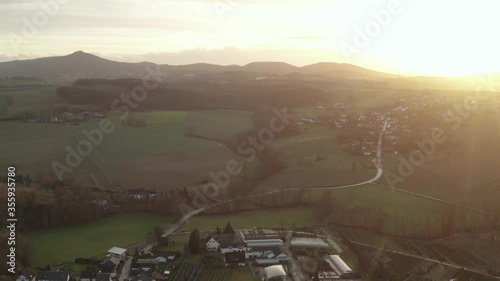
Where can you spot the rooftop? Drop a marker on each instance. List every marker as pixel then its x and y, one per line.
pixel 117 251
pixel 275 271
pixel 309 242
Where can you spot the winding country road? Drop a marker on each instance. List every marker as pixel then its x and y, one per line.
pixel 378 163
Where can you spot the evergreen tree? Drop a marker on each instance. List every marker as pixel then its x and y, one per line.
pixel 194 242
pixel 316 276
pixel 229 229
pixel 136 254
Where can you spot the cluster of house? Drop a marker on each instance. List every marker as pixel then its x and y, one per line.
pixel 157 267
pixel 29 275
pixel 331 267
pixel 112 260
pixel 336 105
pixel 264 247
pixel 108 268
pixel 303 121
pixel 67 117
pixel 141 193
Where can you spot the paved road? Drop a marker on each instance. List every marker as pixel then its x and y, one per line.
pixel 125 269
pixel 299 275
pixel 428 259
pixel 296 271
pixel 377 162
pixel 177 225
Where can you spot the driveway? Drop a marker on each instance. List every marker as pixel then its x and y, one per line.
pixel 125 269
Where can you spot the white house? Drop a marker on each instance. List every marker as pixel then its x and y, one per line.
pixel 27 275
pixel 212 244
pixel 118 253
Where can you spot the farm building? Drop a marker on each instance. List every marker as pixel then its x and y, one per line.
pixel 339 266
pixel 275 272
pixel 230 243
pixel 262 262
pixel 309 242
pixel 118 253
pixel 234 259
pixel 267 253
pixel 53 276
pixel 146 265
pixel 264 243
pixel 261 234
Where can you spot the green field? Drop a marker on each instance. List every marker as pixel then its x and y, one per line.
pixel 160 117
pixel 218 124
pixel 304 169
pixel 262 218
pixel 12 82
pixel 469 174
pixel 392 202
pixel 175 149
pixel 91 240
pixel 31 98
pixel 167 157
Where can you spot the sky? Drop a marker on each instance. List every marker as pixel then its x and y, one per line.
pixel 429 37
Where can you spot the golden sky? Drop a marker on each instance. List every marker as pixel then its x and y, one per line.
pixel 435 37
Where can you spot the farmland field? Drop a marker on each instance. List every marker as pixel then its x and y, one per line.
pixel 314 158
pixel 93 239
pixel 31 98
pixel 168 157
pixel 469 173
pixel 261 218
pixel 218 124
pixel 390 201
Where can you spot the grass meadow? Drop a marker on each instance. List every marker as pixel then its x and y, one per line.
pixel 64 244
pixel 175 149
pixel 269 218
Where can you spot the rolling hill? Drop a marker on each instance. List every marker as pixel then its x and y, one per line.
pixel 84 65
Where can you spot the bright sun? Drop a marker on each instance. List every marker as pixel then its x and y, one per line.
pixel 430 37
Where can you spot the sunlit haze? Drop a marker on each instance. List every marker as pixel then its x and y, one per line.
pixel 419 37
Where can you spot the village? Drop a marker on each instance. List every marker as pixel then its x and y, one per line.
pixel 270 254
pixel 409 119
pixel 66 117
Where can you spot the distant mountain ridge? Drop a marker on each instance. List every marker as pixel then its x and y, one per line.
pixel 84 65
